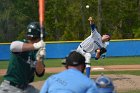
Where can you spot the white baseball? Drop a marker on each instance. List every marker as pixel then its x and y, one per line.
pixel 87 6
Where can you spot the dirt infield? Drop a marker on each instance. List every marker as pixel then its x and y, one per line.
pixel 124 82
pixel 101 68
pixel 94 68
pixel 121 82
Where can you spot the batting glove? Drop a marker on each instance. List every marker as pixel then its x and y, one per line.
pixel 38 45
pixel 41 54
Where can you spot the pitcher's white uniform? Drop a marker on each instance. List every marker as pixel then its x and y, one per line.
pixel 105 46
pixel 90 44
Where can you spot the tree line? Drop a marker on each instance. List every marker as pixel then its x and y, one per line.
pixel 68 19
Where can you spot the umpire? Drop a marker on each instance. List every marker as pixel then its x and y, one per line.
pixel 26 61
pixel 72 80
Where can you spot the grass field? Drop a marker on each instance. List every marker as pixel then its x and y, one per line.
pixel 135 91
pixel 100 62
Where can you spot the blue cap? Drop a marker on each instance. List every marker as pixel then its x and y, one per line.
pixel 105 84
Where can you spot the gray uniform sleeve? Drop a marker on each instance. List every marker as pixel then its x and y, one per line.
pixel 16 46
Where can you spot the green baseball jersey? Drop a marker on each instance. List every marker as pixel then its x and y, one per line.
pixel 21 67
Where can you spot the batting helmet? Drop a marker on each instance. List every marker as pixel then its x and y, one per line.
pixel 105 84
pixel 34 30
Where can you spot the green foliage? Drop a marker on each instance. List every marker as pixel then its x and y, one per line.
pixel 136 33
pixel 67 19
pixel 120 17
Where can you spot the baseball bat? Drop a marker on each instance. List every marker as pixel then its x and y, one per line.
pixel 41 16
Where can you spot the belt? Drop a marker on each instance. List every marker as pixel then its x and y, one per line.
pixel 83 49
pixel 20 86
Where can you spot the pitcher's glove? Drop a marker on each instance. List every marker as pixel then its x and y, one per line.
pixel 99 52
pixel 41 54
pixel 102 50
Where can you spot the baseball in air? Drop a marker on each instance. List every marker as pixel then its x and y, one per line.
pixel 87 6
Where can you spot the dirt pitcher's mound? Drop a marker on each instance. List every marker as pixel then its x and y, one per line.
pixel 121 82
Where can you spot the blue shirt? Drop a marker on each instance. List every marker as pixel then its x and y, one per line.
pixel 69 81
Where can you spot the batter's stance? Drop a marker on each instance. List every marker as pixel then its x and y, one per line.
pixel 95 43
pixel 26 61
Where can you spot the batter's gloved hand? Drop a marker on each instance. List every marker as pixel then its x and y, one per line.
pixel 38 45
pixel 41 54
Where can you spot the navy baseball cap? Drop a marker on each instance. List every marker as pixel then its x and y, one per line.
pixel 74 59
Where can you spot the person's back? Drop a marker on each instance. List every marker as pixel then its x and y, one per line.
pixel 71 80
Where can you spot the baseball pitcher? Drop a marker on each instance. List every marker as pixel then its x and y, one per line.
pixel 93 44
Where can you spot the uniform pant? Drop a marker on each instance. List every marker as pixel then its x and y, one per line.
pixel 86 55
pixel 87 60
pixel 5 87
